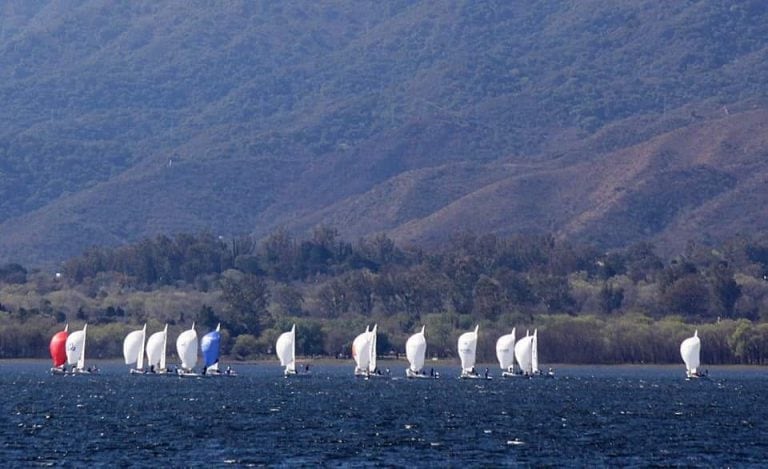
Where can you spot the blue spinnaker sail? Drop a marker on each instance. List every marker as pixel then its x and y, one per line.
pixel 210 347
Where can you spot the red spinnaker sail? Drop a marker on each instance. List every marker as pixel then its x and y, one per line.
pixel 58 348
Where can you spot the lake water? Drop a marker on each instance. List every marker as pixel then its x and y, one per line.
pixel 587 416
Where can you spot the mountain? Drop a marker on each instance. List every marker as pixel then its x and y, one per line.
pixel 599 122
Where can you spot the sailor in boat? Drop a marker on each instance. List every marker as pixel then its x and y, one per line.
pixel 486 373
pixel 432 372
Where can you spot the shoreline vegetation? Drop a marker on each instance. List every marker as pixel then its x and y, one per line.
pixel 626 306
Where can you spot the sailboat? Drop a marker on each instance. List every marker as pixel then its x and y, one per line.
pixel 467 346
pixel 524 354
pixel 156 347
pixel 58 349
pixel 690 349
pixel 505 353
pixel 186 347
pixel 373 368
pixel 415 351
pixel 76 351
pixel 133 349
pixel 361 353
pixel 210 346
pixel 285 347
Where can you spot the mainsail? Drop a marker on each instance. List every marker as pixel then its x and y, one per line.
pixel 210 345
pixel 690 350
pixel 467 346
pixel 416 350
pixel 286 350
pixel 535 352
pixel 372 350
pixel 505 351
pixel 186 347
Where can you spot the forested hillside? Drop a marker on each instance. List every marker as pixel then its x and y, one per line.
pixel 597 121
pixel 629 306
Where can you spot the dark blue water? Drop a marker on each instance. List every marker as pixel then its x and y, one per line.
pixel 586 416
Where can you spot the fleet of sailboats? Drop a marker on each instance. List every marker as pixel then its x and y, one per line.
pixel 515 357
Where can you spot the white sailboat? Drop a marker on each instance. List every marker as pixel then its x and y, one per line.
pixel 690 350
pixel 156 351
pixel 133 349
pixel 286 351
pixel 186 347
pixel 76 350
pixel 505 353
pixel 524 354
pixel 467 346
pixel 361 353
pixel 415 352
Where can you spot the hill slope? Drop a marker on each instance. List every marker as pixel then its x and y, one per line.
pixel 602 122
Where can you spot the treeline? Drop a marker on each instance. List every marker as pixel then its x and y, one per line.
pixel 589 306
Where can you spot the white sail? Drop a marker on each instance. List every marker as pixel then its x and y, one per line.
pixel 186 347
pixel 286 350
pixel 361 351
pixel 416 350
pixel 690 350
pixel 535 352
pixel 156 349
pixel 372 350
pixel 505 351
pixel 524 354
pixel 76 348
pixel 467 346
pixel 132 345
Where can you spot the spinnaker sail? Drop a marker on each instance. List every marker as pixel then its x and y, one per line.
pixel 285 347
pixel 467 346
pixel 416 351
pixel 524 354
pixel 186 347
pixel 156 350
pixel 505 352
pixel 690 350
pixel 133 348
pixel 210 346
pixel 58 349
pixel 76 348
pixel 361 352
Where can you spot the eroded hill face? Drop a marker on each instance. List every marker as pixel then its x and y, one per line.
pixel 596 122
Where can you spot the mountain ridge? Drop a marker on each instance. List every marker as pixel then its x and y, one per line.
pixel 409 118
